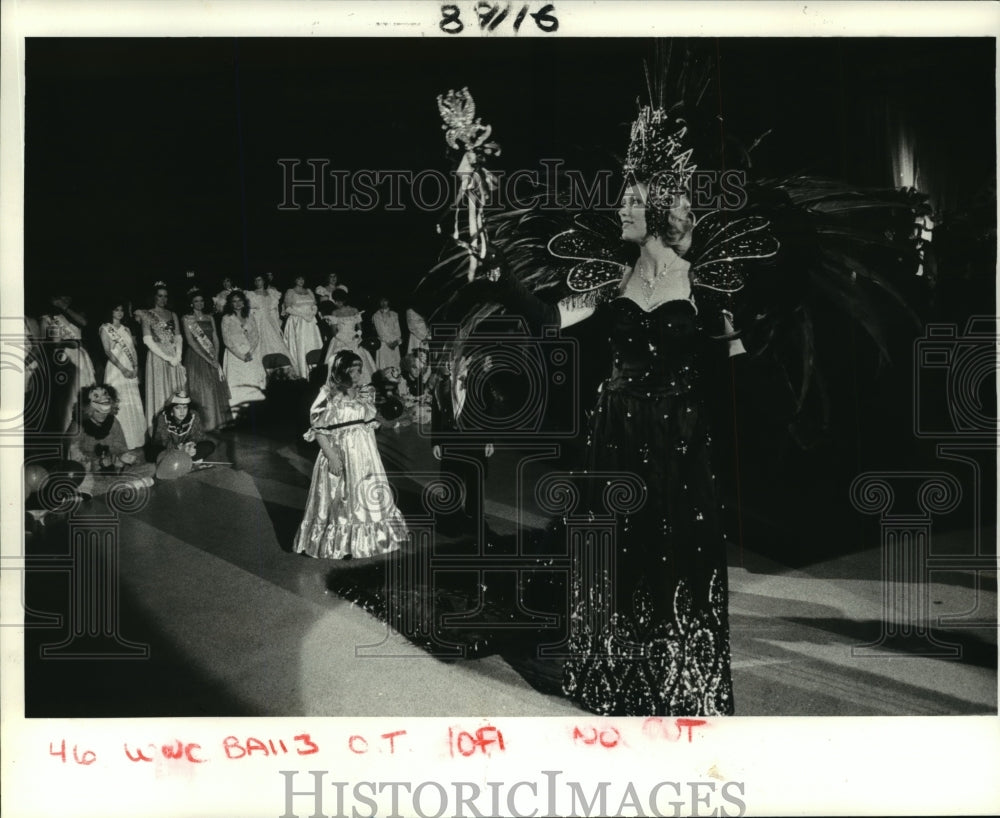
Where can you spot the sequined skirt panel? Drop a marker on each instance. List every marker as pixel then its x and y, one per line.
pixel 649 633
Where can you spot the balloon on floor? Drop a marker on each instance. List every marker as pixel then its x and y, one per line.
pixel 173 464
pixel 33 477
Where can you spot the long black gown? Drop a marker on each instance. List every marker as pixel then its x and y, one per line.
pixel 633 573
pixel 662 645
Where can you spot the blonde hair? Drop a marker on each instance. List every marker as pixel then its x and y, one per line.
pixel 673 225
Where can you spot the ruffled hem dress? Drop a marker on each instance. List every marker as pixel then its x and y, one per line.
pixel 352 514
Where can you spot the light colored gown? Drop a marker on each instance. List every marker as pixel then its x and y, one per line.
pixel 387 327
pixel 274 306
pixel 246 379
pixel 162 379
pixel 130 414
pixel 59 329
pixel 351 514
pixel 301 330
pixel 268 326
pixel 419 334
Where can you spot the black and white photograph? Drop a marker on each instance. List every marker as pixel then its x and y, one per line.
pixel 622 380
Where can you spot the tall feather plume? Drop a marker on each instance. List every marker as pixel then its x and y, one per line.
pixel 837 250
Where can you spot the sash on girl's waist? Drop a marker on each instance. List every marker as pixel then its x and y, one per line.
pixel 342 425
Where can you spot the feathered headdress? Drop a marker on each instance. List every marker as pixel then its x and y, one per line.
pixel 657 153
pixel 796 246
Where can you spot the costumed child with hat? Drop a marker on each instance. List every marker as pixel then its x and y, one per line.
pixel 179 428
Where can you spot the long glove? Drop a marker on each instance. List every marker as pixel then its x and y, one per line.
pixel 516 298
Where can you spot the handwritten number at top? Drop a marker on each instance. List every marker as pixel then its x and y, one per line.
pixel 491 15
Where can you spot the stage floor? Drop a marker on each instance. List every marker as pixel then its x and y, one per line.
pixel 214 616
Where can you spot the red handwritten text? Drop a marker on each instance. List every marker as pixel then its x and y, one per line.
pixel 485 740
pixel 176 751
pixel 234 748
pixel 656 727
pixel 85 758
pixel 359 744
pixel 606 737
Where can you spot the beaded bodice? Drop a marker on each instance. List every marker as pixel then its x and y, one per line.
pixel 655 352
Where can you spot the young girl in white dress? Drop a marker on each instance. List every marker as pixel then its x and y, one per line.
pixel 350 511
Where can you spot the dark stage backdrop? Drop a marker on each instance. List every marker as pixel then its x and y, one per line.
pixel 146 158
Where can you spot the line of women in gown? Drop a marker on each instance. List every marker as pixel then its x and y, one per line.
pixel 182 353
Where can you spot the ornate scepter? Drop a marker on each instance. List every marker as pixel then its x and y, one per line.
pixel 466 134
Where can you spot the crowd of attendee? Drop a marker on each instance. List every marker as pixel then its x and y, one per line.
pixel 213 352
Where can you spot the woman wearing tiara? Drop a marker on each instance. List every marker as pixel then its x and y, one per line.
pixel 162 336
pixel 635 615
pixel 122 373
pixel 650 632
pixel 639 551
pixel 350 511
pixel 206 377
pixel 647 632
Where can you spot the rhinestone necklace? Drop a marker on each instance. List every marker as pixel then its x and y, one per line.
pixel 649 281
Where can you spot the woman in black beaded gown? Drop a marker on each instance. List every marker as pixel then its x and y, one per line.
pixel 643 622
pixel 638 624
pixel 648 630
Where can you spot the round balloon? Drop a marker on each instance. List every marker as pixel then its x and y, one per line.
pixel 33 477
pixel 173 464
